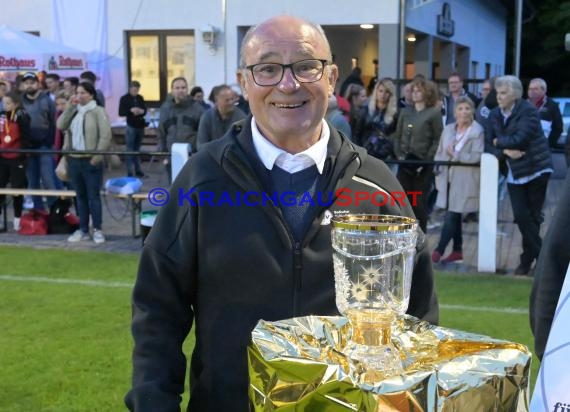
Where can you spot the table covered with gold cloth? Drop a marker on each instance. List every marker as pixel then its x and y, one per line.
pixel 298 365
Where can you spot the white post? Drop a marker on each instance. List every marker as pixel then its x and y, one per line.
pixel 488 204
pixel 178 157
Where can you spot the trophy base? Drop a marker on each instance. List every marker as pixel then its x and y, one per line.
pixel 371 345
pixel 375 362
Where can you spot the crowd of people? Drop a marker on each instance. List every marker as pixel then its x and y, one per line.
pixel 43 112
pixel 428 125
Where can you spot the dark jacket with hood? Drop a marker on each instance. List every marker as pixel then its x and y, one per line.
pixel 521 131
pixel 222 268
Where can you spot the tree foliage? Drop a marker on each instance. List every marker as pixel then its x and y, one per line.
pixel 543 53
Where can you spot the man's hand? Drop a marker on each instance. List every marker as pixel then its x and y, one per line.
pixel 495 141
pixel 513 153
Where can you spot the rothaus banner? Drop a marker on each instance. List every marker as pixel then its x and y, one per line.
pixel 17 63
pixel 552 389
pixel 65 61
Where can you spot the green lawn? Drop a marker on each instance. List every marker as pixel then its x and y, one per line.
pixel 67 346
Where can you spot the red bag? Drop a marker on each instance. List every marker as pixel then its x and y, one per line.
pixel 35 222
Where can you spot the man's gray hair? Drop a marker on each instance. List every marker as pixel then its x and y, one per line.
pixel 512 83
pixel 249 34
pixel 540 82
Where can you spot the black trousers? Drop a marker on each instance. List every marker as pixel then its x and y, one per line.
pixel 527 201
pixel 13 171
pixel 413 181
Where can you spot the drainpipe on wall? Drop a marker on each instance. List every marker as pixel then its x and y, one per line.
pixel 225 37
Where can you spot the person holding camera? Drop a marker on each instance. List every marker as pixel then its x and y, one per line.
pixel 133 107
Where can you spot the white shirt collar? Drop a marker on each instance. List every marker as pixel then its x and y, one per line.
pixel 271 155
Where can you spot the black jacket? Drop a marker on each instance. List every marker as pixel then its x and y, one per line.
pixel 222 268
pixel 126 103
pixel 522 131
pixel 550 112
pixel 550 271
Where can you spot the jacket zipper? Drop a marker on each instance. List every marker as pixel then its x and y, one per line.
pixel 297 274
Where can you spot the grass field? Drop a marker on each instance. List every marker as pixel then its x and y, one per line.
pixel 65 325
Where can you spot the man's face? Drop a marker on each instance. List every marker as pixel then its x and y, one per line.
pixel 505 97
pixel 290 109
pixel 52 85
pixel 133 90
pixel 225 101
pixel 31 86
pixel 455 84
pixel 535 92
pixel 179 90
pixel 68 87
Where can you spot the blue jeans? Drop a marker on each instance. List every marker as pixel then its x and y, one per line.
pixel 86 180
pixel 133 141
pixel 451 230
pixel 41 172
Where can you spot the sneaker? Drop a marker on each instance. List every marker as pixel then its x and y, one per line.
pixel 435 256
pixel 140 175
pixel 16 224
pixel 98 236
pixel 454 256
pixel 433 225
pixel 78 236
pixel 28 203
pixel 523 269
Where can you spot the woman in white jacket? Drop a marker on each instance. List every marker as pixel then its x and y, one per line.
pixel 458 186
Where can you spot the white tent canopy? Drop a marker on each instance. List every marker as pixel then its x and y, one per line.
pixel 20 51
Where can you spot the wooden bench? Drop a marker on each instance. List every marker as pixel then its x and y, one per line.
pixel 135 202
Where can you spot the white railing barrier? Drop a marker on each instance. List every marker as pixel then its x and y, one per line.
pixel 178 157
pixel 488 205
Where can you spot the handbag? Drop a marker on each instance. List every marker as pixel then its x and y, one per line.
pixel 61 170
pixel 61 220
pixel 34 222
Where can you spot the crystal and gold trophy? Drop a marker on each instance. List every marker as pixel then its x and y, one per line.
pixel 373 259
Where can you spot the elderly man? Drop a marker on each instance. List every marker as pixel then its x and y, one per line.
pixel 217 120
pixel 227 262
pixel 514 133
pixel 548 111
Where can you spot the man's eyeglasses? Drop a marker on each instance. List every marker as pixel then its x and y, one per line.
pixel 304 71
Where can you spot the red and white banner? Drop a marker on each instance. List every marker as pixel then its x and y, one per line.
pixel 12 63
pixel 64 61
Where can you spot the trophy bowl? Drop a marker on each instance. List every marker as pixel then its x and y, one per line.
pixel 373 257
